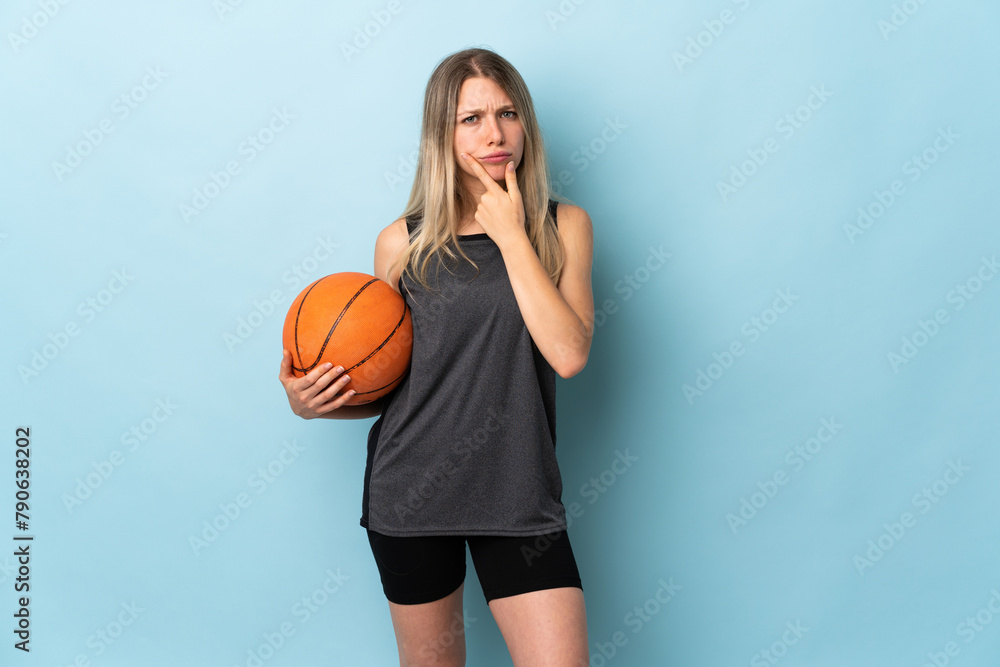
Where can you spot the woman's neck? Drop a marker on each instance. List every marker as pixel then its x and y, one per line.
pixel 467 223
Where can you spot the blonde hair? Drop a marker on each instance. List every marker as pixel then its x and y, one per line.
pixel 438 196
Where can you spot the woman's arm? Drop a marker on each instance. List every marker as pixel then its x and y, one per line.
pixel 373 409
pixel 559 319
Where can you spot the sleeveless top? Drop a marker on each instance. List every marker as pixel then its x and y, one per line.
pixel 465 444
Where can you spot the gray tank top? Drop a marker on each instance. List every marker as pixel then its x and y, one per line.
pixel 465 444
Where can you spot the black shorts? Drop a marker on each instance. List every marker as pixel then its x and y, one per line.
pixel 421 568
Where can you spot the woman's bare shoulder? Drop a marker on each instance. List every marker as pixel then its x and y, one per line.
pixel 390 243
pixel 574 220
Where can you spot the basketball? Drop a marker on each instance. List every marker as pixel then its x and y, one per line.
pixel 356 321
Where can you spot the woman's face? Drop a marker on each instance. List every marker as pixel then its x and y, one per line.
pixel 487 123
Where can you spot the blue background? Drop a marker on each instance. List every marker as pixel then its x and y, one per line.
pixel 340 169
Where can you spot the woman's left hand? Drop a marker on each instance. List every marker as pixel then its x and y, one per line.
pixel 500 213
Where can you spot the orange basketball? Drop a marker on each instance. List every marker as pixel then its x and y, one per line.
pixel 356 321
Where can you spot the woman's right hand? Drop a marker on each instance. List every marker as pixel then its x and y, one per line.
pixel 314 394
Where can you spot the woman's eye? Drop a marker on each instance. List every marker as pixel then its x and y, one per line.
pixel 513 114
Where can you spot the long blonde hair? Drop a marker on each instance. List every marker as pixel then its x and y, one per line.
pixel 438 195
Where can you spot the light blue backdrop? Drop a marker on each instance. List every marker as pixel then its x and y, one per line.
pixel 805 388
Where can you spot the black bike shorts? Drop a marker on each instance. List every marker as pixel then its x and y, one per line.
pixel 418 569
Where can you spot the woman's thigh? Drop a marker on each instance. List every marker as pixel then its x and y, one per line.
pixel 431 633
pixel 544 627
pixel 513 565
pixel 533 589
pixel 423 580
pixel 418 569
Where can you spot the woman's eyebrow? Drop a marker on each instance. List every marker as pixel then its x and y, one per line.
pixel 507 107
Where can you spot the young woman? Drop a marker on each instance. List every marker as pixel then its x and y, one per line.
pixel 497 277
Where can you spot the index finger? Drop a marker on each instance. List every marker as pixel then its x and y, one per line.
pixel 317 373
pixel 481 172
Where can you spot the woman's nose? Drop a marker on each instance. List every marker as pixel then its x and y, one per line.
pixel 493 132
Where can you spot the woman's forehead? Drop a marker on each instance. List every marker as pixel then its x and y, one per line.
pixel 481 93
